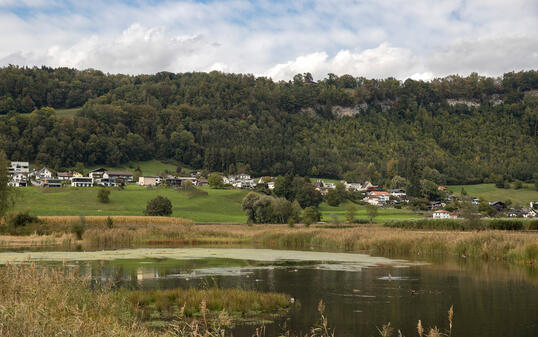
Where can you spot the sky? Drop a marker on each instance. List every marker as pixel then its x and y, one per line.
pixel 419 39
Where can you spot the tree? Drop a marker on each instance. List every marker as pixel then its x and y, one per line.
pixel 7 193
pixel 215 180
pixel 332 198
pixel 398 182
pixel 350 213
pixel 469 212
pixel 103 195
pixel 371 210
pixel 137 174
pixel 248 206
pixel 160 206
pixel 310 215
pixel 178 169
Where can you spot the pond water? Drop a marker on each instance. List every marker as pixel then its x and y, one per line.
pixel 360 292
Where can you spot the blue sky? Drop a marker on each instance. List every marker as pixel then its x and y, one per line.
pixel 419 39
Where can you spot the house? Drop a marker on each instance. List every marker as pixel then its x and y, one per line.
pixel 377 198
pixel 16 167
pixel 528 213
pixel 51 182
pixel 82 181
pixel 19 180
pixel 499 205
pixel 398 193
pixel 436 205
pixel 127 177
pixel 442 214
pixel 77 175
pixel 147 181
pixel 65 175
pixel 375 188
pixel 475 200
pixel 352 186
pixel 271 185
pixel 441 188
pixel 172 181
pixel 97 173
pixel 514 213
pixel 533 204
pixel 202 182
pixel 107 182
pixel 42 174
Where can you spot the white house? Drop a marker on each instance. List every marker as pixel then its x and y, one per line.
pixel 271 185
pixel 65 175
pixel 148 181
pixel 16 167
pixel 126 176
pixel 43 174
pixel 97 173
pixel 352 186
pixel 82 181
pixel 442 214
pixel 18 180
pixel 398 193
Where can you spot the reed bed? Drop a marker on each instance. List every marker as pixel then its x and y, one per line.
pixel 239 303
pixel 118 220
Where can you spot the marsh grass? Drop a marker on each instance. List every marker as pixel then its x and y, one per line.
pixel 166 304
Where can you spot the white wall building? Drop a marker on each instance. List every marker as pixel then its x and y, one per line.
pixel 82 181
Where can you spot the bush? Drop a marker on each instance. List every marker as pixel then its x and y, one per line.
pixel 160 206
pixel 20 219
pixel 22 223
pixel 109 222
pixel 79 228
pixel 103 195
pixel 446 224
pixel 532 225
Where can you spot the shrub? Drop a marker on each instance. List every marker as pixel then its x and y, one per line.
pixel 78 228
pixel 532 225
pixel 20 219
pixel 109 222
pixel 103 195
pixel 160 206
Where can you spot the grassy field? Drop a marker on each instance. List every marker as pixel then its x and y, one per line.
pixel 149 167
pixel 217 206
pixel 491 193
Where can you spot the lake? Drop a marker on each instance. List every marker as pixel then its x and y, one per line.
pixel 360 292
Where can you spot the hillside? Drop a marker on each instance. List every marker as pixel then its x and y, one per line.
pixel 466 129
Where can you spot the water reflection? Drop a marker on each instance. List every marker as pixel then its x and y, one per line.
pixel 489 299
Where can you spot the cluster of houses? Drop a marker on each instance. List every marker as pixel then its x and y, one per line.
pixel 20 176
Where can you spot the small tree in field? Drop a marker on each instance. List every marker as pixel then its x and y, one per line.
pixel 310 215
pixel 103 195
pixel 350 213
pixel 371 210
pixel 160 206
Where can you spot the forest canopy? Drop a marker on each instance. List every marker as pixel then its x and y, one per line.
pixel 458 129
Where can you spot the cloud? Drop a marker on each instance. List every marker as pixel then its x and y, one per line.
pixel 380 62
pixel 377 39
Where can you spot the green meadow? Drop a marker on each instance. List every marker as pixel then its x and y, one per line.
pixel 489 192
pixel 217 206
pixel 149 167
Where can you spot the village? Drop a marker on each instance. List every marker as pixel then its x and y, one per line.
pixel 376 195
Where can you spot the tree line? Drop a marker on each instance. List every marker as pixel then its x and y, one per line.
pixel 241 123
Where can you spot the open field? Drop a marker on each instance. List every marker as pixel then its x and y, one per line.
pixel 491 193
pixel 219 206
pixel 148 167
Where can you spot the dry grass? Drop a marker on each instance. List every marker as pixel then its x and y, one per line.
pixel 118 220
pixel 42 302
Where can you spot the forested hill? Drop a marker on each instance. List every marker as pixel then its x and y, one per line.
pixel 459 129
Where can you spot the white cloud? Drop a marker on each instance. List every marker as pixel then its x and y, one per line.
pixel 421 40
